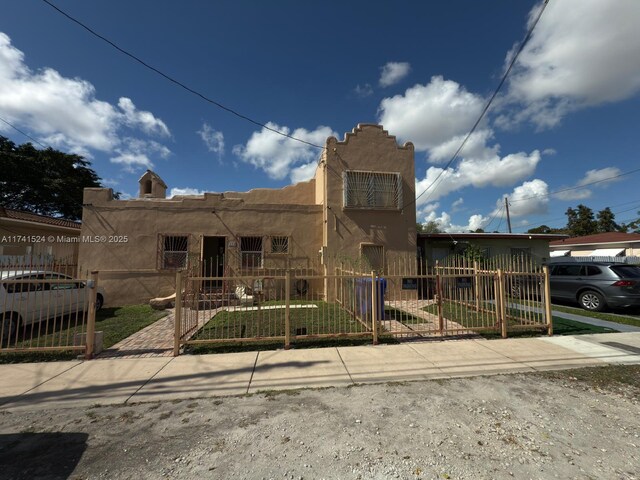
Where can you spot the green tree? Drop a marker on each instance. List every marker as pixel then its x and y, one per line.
pixel 581 222
pixel 429 227
pixel 606 221
pixel 47 182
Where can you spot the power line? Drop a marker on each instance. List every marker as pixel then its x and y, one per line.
pixel 177 82
pixel 577 187
pixel 486 107
pixel 23 133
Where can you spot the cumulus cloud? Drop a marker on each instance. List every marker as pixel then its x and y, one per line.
pixel 596 178
pixel 530 198
pixel 444 222
pixel 65 113
pixel 133 153
pixel 582 53
pixel 132 162
pixel 176 192
pixel 497 171
pixel 393 72
pixel 212 138
pixel 280 156
pixel 146 121
pixel 431 115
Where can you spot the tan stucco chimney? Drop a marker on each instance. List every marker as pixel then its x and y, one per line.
pixel 152 186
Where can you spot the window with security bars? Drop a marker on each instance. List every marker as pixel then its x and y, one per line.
pixel 174 251
pixel 372 190
pixel 373 257
pixel 279 244
pixel 251 252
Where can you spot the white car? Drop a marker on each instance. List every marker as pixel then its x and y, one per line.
pixel 32 296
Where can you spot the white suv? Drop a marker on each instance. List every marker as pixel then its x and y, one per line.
pixel 31 296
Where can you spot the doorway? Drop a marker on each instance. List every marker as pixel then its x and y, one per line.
pixel 213 260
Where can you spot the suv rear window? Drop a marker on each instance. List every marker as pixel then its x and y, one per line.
pixel 591 270
pixel 626 271
pixel 567 270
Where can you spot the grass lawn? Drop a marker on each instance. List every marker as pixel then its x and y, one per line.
pixel 469 318
pixel 326 318
pixel 599 315
pixel 115 323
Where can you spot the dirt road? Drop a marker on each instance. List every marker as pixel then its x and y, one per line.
pixel 537 426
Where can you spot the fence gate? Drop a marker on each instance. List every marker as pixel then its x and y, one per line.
pixel 43 309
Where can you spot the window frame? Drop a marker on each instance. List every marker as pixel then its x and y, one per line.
pixel 285 243
pixel 162 251
pixel 366 186
pixel 244 254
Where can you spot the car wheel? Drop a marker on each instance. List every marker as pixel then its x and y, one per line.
pixel 592 301
pixel 9 328
pixel 99 302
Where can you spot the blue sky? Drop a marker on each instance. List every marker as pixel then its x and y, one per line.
pixel 567 116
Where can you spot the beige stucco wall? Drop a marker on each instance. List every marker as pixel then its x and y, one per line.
pixel 368 148
pixel 231 215
pixel 310 213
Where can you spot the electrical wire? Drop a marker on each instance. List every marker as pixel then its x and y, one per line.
pixel 177 82
pixel 486 107
pixel 23 133
pixel 577 187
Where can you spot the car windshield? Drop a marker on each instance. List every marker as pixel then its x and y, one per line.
pixel 626 271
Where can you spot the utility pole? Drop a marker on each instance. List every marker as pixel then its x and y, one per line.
pixel 506 206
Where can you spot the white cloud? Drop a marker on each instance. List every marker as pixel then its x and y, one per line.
pixel 393 72
pixel 303 172
pixel 64 113
pixel 431 115
pixel 133 153
pixel 142 119
pixel 444 223
pixel 213 139
pixel 582 53
pixel 458 203
pixel 174 192
pixel 496 171
pixel 279 156
pixel 132 162
pixel 596 178
pixel 530 198
pixel 363 91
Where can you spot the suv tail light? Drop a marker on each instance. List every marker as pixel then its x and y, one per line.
pixel 624 283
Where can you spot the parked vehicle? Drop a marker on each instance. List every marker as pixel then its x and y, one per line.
pixel 32 296
pixel 596 285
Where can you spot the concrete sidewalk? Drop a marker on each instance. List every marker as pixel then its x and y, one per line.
pixel 120 381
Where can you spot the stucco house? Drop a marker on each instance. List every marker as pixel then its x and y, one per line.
pixel 437 246
pixel 609 244
pixel 354 208
pixel 27 238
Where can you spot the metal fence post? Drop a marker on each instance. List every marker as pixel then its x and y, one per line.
pixel 177 315
pixel 91 315
pixel 547 299
pixel 501 300
pixel 476 285
pixel 287 309
pixel 374 307
pixel 439 301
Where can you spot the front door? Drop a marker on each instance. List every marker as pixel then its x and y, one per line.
pixel 213 260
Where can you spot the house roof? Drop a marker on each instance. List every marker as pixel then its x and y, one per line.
pixel 597 239
pixel 20 215
pixel 488 236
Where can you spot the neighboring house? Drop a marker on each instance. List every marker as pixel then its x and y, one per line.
pixel 610 244
pixel 352 208
pixel 28 238
pixel 437 246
